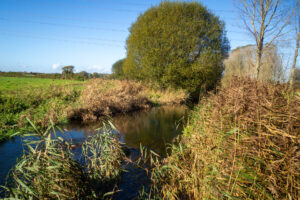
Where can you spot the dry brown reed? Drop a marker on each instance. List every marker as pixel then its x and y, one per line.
pixel 242 143
pixel 167 96
pixel 107 97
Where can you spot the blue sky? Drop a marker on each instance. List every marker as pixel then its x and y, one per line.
pixel 44 35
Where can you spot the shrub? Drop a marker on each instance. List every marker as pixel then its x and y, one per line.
pixel 177 44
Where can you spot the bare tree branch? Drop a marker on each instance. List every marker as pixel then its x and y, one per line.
pixel 265 20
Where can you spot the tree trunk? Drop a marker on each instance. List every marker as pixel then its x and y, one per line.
pixel 258 59
pixel 292 77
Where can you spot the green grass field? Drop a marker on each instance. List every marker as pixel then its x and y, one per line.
pixel 40 100
pixel 11 85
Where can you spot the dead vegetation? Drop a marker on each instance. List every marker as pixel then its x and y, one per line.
pixel 108 97
pixel 242 143
pixel 103 97
pixel 167 96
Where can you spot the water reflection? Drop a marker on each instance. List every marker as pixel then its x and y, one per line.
pixel 153 128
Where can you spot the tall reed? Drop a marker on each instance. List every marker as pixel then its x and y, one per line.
pixel 48 170
pixel 241 143
pixel 103 155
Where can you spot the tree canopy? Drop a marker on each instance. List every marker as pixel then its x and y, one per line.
pixel 68 71
pixel 177 44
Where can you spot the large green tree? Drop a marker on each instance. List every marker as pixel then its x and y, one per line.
pixel 177 44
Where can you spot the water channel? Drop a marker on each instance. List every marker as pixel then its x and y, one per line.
pixel 154 128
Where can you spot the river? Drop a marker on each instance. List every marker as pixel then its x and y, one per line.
pixel 153 128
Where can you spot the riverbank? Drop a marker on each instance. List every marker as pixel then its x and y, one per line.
pixel 241 143
pixel 109 97
pixel 60 101
pixel 40 100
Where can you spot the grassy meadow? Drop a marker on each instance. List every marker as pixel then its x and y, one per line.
pixel 12 85
pixel 39 100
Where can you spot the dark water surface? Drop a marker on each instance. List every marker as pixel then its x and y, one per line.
pixel 153 128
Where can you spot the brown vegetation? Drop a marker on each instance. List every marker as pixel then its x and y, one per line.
pixel 108 97
pixel 242 143
pixel 168 96
pixel 102 97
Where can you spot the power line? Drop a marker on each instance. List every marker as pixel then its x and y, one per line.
pixel 130 3
pixel 79 42
pixel 116 2
pixel 113 9
pixel 57 39
pixel 78 26
pixel 63 25
pixel 72 37
pixel 90 27
pixel 70 18
pixel 227 11
pixel 61 18
pixel 78 6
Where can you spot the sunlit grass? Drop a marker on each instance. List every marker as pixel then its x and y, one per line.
pixel 14 85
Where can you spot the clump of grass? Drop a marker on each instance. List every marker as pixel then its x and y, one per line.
pixel 47 170
pixel 103 156
pixel 167 96
pixel 107 97
pixel 242 143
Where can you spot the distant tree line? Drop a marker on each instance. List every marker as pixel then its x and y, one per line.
pixel 67 73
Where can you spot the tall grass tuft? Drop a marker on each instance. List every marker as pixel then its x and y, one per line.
pixel 103 156
pixel 107 97
pixel 242 143
pixel 47 169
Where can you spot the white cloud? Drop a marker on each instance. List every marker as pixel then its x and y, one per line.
pixel 98 68
pixel 56 66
